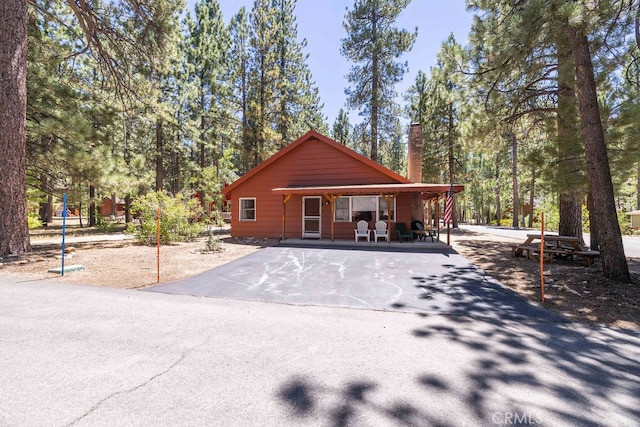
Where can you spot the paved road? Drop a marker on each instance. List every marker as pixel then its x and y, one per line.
pixel 37 241
pixel 631 243
pixel 77 355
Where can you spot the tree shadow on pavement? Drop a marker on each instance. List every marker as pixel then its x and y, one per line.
pixel 351 400
pixel 517 362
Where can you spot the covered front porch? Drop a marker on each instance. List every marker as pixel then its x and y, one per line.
pixel 415 246
pixel 331 212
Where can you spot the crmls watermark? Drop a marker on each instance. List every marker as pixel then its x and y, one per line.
pixel 516 418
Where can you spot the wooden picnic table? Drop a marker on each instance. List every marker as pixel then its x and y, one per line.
pixel 555 246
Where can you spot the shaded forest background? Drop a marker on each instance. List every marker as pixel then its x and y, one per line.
pixel 195 100
pixel 224 94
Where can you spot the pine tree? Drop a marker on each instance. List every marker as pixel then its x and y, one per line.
pixel 239 76
pixel 106 38
pixel 289 60
pixel 14 231
pixel 262 81
pixel 614 263
pixel 374 44
pixel 206 54
pixel 341 128
pixel 517 43
pixel 281 98
pixel 296 92
pixel 436 103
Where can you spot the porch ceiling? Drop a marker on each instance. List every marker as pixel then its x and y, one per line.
pixel 428 191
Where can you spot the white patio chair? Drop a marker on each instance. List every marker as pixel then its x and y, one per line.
pixel 381 231
pixel 362 230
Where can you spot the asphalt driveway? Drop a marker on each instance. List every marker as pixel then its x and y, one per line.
pixel 410 278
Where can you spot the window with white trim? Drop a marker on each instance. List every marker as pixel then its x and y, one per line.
pixel 368 208
pixel 342 210
pixel 248 209
pixel 383 211
pixel 364 208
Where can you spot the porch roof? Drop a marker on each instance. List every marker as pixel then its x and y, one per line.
pixel 428 191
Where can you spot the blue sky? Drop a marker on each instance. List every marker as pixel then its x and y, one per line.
pixel 320 22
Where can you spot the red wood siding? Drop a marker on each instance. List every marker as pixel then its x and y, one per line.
pixel 311 163
pixel 105 209
pixel 316 163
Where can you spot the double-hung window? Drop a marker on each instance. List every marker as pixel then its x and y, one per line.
pixel 384 213
pixel 343 209
pixel 248 209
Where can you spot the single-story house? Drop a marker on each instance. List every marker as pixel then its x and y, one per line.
pixel 108 209
pixel 635 219
pixel 318 188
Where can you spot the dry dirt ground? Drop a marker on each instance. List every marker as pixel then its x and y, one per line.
pixel 578 292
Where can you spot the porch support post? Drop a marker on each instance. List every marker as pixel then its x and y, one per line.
pixel 389 198
pixel 285 199
pixel 444 197
pixel 332 204
pixel 438 216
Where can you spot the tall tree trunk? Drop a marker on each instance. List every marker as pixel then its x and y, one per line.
pixel 532 196
pixel 594 242
pixel 452 162
pixel 14 229
pixel 46 207
pixel 614 262
pixel 202 153
pixel 514 179
pixel 46 211
pixel 127 159
pixel 92 205
pixel 114 205
pixel 497 190
pixel 262 119
pixel 638 183
pixel 202 162
pixel 523 213
pixel 570 179
pixel 246 144
pixel 283 126
pixel 159 156
pixel 375 76
pixel 127 209
pixel 570 215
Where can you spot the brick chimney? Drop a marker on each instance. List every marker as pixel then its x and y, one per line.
pixel 414 169
pixel 414 159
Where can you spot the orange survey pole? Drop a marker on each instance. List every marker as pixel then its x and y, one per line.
pixel 158 241
pixel 542 257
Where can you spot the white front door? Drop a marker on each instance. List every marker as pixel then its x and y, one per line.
pixel 311 216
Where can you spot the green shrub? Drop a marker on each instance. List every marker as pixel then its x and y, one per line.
pixel 34 221
pixel 506 222
pixel 107 225
pixel 179 218
pixel 213 243
pixel 551 216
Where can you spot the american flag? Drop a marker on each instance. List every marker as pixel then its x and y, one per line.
pixel 448 209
